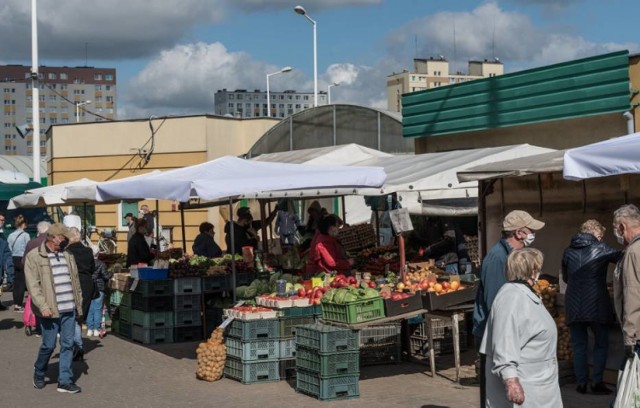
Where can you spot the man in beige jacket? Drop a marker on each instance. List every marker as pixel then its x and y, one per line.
pixel 626 282
pixel 52 280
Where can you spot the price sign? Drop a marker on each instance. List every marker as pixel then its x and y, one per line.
pixel 400 220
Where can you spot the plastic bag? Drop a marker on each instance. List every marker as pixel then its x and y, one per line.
pixel 629 385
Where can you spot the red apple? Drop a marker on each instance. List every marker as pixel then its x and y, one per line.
pixel 302 292
pixel 341 276
pixel 372 285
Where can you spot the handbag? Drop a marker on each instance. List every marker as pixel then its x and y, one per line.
pixel 629 385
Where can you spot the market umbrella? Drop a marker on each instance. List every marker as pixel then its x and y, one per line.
pixel 607 158
pixel 48 196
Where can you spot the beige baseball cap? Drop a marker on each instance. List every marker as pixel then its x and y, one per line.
pixel 520 219
pixel 59 229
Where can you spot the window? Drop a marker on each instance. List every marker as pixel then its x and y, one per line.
pixel 29 143
pixel 7 148
pixel 108 77
pixel 27 75
pixel 63 86
pixel 109 99
pixel 64 120
pixel 281 106
pixel 98 99
pixel 98 87
pixel 306 97
pixel 63 75
pixel 306 106
pixel 52 98
pixel 28 86
pixel 413 77
pixel 107 88
pixel 52 75
pixel 232 96
pixel 42 98
pixel 297 106
pixel 53 120
pixel 289 97
pixel 297 97
pixel 97 77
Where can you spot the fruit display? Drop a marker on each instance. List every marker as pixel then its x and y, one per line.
pixel 564 339
pixel 349 294
pixel 200 266
pixel 211 357
pixel 377 260
pixel 548 293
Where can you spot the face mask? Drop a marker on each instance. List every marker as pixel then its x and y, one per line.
pixel 529 239
pixel 333 232
pixel 64 244
pixel 619 237
pixel 537 277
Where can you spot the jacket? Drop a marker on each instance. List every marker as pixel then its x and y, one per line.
pixel 205 245
pixel 520 341
pixel 18 241
pixel 326 255
pixel 241 238
pixel 138 250
pixel 33 244
pixel 101 275
pixel 39 279
pixel 492 277
pixel 85 264
pixel 6 259
pixel 626 292
pixel 584 269
pixel 286 223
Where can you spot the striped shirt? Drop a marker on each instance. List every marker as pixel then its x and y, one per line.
pixel 62 282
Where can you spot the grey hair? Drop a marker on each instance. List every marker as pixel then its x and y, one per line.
pixel 627 214
pixel 75 234
pixel 43 226
pixel 592 227
pixel 523 263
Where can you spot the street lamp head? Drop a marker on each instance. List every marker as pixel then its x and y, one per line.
pixel 336 84
pixel 300 10
pixel 286 69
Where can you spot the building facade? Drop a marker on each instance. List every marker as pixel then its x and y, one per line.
pixel 61 89
pixel 253 104
pixel 433 73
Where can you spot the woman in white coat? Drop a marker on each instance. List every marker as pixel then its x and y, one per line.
pixel 520 340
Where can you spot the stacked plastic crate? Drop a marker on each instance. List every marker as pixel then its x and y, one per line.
pixel 327 361
pixel 120 305
pixel 187 309
pixel 293 316
pixel 442 333
pixel 217 296
pixel 380 344
pixel 253 349
pixel 151 311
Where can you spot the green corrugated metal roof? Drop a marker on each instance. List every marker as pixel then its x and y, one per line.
pixel 585 87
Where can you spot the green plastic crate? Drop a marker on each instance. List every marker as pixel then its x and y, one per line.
pixel 152 320
pixel 187 318
pixel 327 339
pixel 287 348
pixel 124 314
pixel 122 329
pixel 252 372
pixel 148 288
pixel 152 336
pixel 254 329
pixel 216 283
pixel 120 298
pixel 333 388
pixel 187 286
pixel 354 312
pixel 328 365
pixel 253 350
pixel 188 333
pixel 308 311
pixel 288 325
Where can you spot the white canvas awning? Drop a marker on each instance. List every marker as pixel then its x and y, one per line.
pixel 229 177
pixel 607 158
pixel 50 195
pixel 540 163
pixel 342 155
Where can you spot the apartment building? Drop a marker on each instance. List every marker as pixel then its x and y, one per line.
pixel 253 104
pixel 63 92
pixel 432 73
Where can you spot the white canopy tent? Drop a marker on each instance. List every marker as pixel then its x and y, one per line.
pixel 49 195
pixel 607 158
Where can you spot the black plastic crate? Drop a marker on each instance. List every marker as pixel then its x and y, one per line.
pixel 148 288
pixel 379 355
pixel 187 286
pixel 287 368
pixel 152 304
pixel 188 302
pixel 381 335
pixel 187 318
pixel 218 283
pixel 189 333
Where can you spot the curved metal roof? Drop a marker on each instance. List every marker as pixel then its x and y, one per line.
pixel 336 124
pixel 22 164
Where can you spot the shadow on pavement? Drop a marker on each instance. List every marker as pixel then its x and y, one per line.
pixel 387 370
pixel 7 324
pixel 179 351
pixel 434 406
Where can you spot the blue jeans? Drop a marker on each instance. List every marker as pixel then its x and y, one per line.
pixel 77 337
pixel 94 317
pixel 579 342
pixel 50 327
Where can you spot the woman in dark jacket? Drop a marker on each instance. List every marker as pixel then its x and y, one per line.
pixel 138 250
pixel 584 268
pixel 204 244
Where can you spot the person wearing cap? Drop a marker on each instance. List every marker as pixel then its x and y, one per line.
pixel 518 231
pixel 138 250
pixel 52 280
pixel 244 232
pixel 131 223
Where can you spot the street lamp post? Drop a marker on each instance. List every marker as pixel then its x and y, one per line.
pixel 282 71
pixel 329 91
pixel 35 94
pixel 300 10
pixel 78 105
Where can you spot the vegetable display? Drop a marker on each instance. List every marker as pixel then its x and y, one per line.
pixel 211 357
pixel 349 294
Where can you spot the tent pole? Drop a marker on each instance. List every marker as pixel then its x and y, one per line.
pixel 184 235
pixel 403 258
pixel 344 209
pixel 233 249
pixel 84 210
pixel 157 231
pixel 263 227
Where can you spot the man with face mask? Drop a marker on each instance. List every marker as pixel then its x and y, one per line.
pixel 56 297
pixel 626 279
pixel 518 231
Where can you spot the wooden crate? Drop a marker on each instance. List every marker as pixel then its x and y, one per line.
pixel 357 237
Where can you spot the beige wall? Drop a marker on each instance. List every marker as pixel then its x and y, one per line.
pixel 557 135
pixel 109 150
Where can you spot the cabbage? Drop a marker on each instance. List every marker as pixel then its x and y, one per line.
pixel 340 296
pixel 370 293
pixel 329 295
pixel 350 297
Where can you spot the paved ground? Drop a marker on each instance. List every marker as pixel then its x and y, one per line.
pixel 120 373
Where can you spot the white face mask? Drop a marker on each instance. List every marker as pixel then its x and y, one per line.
pixel 529 239
pixel 619 237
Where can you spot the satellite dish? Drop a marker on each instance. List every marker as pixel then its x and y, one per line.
pixel 23 130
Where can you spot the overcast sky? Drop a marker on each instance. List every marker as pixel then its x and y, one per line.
pixel 172 55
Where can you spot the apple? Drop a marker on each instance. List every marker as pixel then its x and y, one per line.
pixel 445 285
pixel 351 280
pixel 302 292
pixel 341 276
pixel 372 285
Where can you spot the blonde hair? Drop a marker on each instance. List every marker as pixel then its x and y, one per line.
pixel 19 220
pixel 593 227
pixel 523 263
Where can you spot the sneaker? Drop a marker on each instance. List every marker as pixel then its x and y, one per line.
pixel 89 333
pixel 600 389
pixel 18 309
pixel 582 388
pixel 70 388
pixel 38 382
